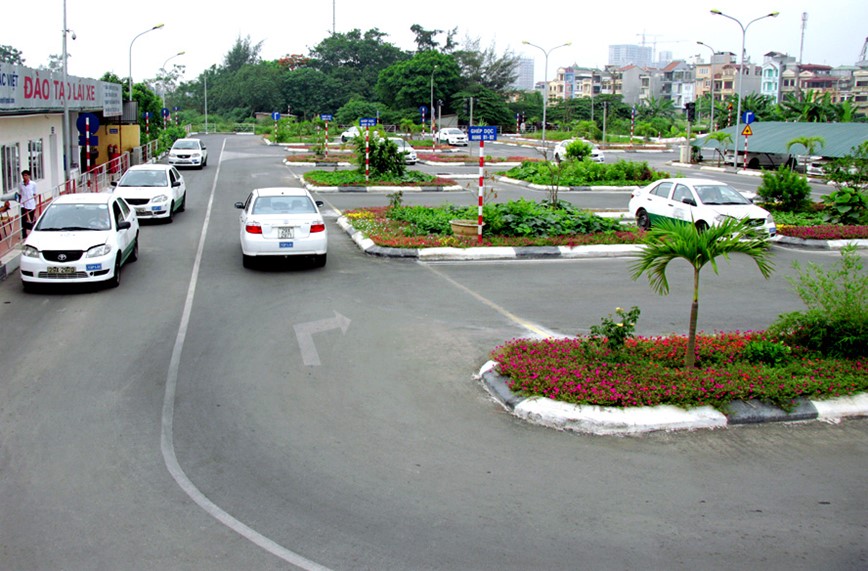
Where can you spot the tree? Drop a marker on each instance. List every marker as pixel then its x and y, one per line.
pixel 241 54
pixel 309 92
pixel 724 140
pixel 669 240
pixel 407 84
pixel 809 143
pixel 486 67
pixel 425 39
pixel 8 54
pixel 655 107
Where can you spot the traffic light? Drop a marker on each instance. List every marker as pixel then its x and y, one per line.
pixel 691 111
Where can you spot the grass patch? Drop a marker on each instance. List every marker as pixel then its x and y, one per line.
pixel 356 178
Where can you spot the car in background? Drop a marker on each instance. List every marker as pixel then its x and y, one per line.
pixel 282 222
pixel 405 149
pixel 560 151
pixel 452 136
pixel 188 153
pixel 156 191
pixel 350 133
pixel 700 201
pixel 80 238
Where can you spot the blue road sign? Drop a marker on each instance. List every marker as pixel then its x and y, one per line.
pixel 275 116
pixel 482 133
pixel 423 109
pixel 748 117
pixel 93 140
pixel 165 111
pixel 326 117
pixel 93 122
pixel 368 122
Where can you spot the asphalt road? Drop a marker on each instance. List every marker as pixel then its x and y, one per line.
pixel 203 416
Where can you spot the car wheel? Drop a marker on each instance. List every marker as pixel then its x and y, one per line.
pixel 115 281
pixel 246 261
pixel 321 260
pixel 171 217
pixel 753 164
pixel 643 221
pixel 134 255
pixel 28 287
pixel 557 158
pixel 701 226
pixel 183 206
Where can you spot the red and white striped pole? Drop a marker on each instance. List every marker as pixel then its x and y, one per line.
pixel 87 143
pixel 481 190
pixel 326 143
pixel 746 139
pixel 367 152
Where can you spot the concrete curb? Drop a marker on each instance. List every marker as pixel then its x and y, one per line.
pixel 607 421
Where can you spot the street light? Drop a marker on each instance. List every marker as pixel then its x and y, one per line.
pixel 711 68
pixel 157 27
pixel 163 68
pixel 545 81
pixel 431 119
pixel 67 146
pixel 741 72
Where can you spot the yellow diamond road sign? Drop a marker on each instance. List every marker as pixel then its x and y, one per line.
pixel 747 131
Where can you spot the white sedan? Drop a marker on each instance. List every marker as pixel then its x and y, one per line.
pixel 560 152
pixel 154 190
pixel 188 153
pixel 452 136
pixel 700 201
pixel 80 238
pixel 405 149
pixel 282 222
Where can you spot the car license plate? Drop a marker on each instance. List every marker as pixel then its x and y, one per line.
pixel 285 232
pixel 286 244
pixel 59 270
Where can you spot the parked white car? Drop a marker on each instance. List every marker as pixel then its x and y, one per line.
pixel 700 201
pixel 560 152
pixel 452 136
pixel 80 238
pixel 282 222
pixel 406 149
pixel 156 191
pixel 350 133
pixel 188 153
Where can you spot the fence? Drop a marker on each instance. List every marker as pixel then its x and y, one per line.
pixel 96 179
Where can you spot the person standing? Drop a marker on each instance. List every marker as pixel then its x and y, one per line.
pixel 27 198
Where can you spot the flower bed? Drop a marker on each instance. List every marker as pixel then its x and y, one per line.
pixel 825 232
pixel 650 372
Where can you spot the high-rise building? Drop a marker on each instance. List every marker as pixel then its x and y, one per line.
pixel 524 77
pixel 629 54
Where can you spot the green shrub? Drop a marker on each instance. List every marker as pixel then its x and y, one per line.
pixel 578 150
pixel 384 159
pixel 785 188
pixel 581 173
pixel 846 205
pixel 766 352
pixel 614 332
pixel 836 321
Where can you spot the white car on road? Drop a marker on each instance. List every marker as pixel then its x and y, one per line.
pixel 405 149
pixel 452 136
pixel 282 222
pixel 560 152
pixel 700 201
pixel 156 191
pixel 188 153
pixel 80 238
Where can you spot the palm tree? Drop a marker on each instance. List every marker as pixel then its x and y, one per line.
pixel 810 145
pixel 723 139
pixel 672 239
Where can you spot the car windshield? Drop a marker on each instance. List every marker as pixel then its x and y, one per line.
pixel 70 217
pixel 720 194
pixel 186 145
pixel 144 178
pixel 283 205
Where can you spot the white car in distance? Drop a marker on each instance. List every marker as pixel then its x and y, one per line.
pixel 452 136
pixel 156 191
pixel 282 222
pixel 405 149
pixel 188 153
pixel 560 151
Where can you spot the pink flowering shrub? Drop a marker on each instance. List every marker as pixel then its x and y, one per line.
pixel 650 371
pixel 825 232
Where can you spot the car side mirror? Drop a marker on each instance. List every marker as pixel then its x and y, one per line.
pixel 124 225
pixel 689 201
pixel 239 205
pixel 114 184
pixel 176 183
pixel 320 203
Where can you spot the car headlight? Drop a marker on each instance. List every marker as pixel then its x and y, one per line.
pixel 770 219
pixel 30 252
pixel 99 251
pixel 720 218
pixel 160 198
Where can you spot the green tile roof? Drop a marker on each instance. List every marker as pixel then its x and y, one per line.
pixel 773 136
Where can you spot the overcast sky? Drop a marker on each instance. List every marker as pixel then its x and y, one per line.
pixel 206 31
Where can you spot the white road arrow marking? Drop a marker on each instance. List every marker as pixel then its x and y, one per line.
pixel 305 332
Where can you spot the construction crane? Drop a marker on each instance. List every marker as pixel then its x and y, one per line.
pixel 863 56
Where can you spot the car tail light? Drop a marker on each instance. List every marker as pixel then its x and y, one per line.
pixel 317 228
pixel 253 228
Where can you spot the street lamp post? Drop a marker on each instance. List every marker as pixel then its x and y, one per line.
pixel 711 73
pixel 65 131
pixel 431 109
pixel 741 72
pixel 164 71
pixel 157 27
pixel 545 81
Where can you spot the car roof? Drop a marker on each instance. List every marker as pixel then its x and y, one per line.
pixel 281 191
pixel 84 198
pixel 150 167
pixel 691 181
pixel 188 139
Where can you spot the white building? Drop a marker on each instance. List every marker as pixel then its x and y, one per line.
pixel 524 78
pixel 622 55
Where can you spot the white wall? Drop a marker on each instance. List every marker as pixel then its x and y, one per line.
pixel 48 127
